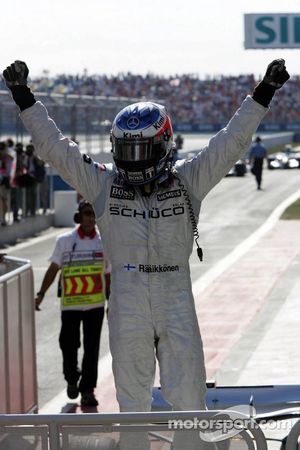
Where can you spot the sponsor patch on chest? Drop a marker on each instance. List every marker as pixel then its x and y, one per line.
pixel 121 193
pixel 170 194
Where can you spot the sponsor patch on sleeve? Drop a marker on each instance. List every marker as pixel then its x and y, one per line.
pixel 87 159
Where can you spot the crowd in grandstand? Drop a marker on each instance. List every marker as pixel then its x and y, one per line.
pixel 189 99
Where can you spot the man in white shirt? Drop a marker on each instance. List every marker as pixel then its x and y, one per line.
pixel 84 281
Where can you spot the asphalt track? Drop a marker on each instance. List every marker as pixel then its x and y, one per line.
pixel 232 212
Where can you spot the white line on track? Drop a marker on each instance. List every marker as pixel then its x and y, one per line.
pixel 104 365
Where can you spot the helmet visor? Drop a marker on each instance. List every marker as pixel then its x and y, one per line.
pixel 138 150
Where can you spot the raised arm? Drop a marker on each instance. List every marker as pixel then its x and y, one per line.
pixel 63 154
pixel 204 171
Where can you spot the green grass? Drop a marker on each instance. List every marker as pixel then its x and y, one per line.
pixel 292 212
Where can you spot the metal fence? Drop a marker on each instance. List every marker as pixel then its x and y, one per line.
pixel 104 431
pixel 18 377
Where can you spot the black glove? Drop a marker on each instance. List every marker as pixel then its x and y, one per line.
pixel 275 77
pixel 15 77
pixel 16 74
pixel 276 74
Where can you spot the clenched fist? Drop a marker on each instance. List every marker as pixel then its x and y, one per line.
pixel 276 74
pixel 16 74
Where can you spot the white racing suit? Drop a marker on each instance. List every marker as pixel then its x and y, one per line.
pixel 148 241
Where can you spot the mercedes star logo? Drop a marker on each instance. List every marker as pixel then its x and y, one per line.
pixel 133 122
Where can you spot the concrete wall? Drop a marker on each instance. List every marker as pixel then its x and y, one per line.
pixel 273 140
pixel 27 228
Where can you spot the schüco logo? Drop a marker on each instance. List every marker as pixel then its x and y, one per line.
pixel 147 214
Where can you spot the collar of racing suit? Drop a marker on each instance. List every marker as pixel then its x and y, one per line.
pixel 166 179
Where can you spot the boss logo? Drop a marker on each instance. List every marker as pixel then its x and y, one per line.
pixel 121 193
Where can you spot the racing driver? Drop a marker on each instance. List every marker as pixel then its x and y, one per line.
pixel 146 209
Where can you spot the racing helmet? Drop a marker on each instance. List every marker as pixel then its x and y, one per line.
pixel 142 142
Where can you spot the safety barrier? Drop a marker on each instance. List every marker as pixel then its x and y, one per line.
pixel 18 379
pixel 102 431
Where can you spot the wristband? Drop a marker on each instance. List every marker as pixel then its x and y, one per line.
pixel 22 96
pixel 263 93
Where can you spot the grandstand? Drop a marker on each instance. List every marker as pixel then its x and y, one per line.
pixel 86 104
pixel 75 114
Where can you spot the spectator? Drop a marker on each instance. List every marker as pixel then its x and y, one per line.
pixel 179 142
pixel 10 147
pixel 257 154
pixel 5 173
pixel 35 174
pixel 178 146
pixel 43 186
pixel 16 192
pixel 86 307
